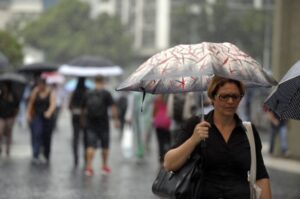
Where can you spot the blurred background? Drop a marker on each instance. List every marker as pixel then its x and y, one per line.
pixel 128 32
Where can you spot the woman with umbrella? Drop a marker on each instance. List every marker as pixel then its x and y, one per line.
pixel 9 109
pixel 227 153
pixel 40 112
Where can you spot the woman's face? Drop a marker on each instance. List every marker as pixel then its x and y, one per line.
pixel 227 99
pixel 41 86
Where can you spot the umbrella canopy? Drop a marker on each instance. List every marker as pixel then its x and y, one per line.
pixel 36 69
pixel 12 77
pixel 186 68
pixel 53 78
pixel 88 66
pixel 284 100
pixel 16 81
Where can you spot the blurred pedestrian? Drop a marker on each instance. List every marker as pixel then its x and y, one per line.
pixel 60 100
pixel 8 112
pixel 79 130
pixel 162 124
pixel 122 103
pixel 146 119
pixel 95 106
pixel 40 113
pixel 21 117
pixel 278 127
pixel 139 115
pixel 180 106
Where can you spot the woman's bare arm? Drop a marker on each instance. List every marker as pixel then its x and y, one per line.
pixel 30 105
pixel 175 158
pixel 264 184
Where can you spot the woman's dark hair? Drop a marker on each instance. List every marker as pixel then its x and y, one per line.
pixel 78 94
pixel 80 84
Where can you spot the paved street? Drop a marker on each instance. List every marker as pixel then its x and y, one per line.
pixel 19 179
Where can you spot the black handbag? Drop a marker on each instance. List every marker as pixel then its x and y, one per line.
pixel 184 183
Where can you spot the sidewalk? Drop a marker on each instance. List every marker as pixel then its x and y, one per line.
pixel 130 179
pixel 280 163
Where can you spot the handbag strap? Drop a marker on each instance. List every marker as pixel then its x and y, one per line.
pixel 249 133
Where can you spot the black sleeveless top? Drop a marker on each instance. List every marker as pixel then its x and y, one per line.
pixel 41 104
pixel 8 108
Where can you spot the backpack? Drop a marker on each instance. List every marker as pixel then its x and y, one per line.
pixel 96 106
pixel 178 104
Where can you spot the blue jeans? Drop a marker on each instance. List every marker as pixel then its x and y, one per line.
pixel 41 133
pixel 282 131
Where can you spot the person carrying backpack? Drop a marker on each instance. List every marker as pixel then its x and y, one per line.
pixel 180 106
pixel 95 106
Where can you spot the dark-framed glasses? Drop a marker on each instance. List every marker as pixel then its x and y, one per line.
pixel 226 97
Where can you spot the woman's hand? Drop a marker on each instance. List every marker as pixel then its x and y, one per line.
pixel 47 114
pixel 29 117
pixel 200 132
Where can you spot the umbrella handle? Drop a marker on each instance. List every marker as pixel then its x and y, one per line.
pixel 203 142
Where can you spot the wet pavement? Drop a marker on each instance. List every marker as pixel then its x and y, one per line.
pixel 130 178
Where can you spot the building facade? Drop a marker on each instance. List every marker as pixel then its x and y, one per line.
pixel 286 52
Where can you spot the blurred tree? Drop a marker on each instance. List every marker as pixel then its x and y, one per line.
pixel 11 48
pixel 66 31
pixel 219 23
pixel 252 32
pixel 180 29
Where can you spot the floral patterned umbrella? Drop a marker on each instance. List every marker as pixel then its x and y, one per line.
pixel 186 68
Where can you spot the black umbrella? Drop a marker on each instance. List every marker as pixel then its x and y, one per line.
pixel 15 82
pixel 12 77
pixel 87 66
pixel 36 69
pixel 284 100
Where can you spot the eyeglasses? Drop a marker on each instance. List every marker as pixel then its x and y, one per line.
pixel 226 97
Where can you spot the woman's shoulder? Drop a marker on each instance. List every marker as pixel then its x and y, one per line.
pixel 52 92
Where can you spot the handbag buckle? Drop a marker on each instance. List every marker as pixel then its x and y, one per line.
pixel 171 174
pixel 248 176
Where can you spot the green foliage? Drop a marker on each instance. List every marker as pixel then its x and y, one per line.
pixel 11 48
pixel 66 31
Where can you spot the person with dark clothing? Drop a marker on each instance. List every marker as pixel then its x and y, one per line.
pixel 122 104
pixel 79 130
pixel 161 123
pixel 40 111
pixel 95 108
pixel 8 111
pixel 226 153
pixel 181 106
pixel 278 127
